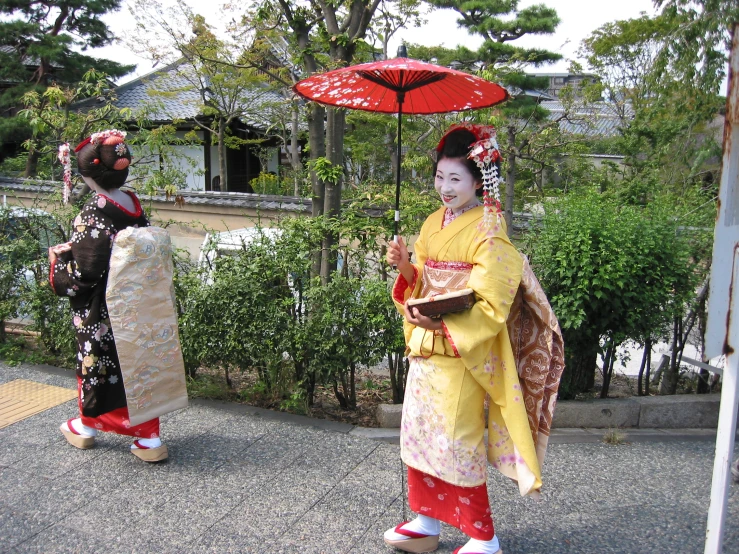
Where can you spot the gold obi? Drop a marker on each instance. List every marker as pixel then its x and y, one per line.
pixel 438 278
pixel 443 277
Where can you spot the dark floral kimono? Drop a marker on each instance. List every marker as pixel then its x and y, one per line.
pixel 81 274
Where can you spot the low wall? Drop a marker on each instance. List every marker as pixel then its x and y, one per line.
pixel 188 221
pixel 685 411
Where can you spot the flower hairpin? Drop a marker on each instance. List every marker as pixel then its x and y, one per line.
pixel 111 136
pixel 486 156
pixel 64 157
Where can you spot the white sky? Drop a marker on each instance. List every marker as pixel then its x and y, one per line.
pixel 578 19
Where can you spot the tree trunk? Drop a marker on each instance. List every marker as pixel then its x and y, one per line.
pixel 317 150
pixel 31 163
pixel 332 200
pixel 579 373
pixel 353 386
pixel 670 376
pixel 646 356
pixel 398 371
pixel 608 362
pixel 647 381
pixel 294 156
pixel 222 166
pixel 510 179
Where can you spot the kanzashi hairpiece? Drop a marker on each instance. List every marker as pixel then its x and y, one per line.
pixel 66 162
pixel 111 136
pixel 486 155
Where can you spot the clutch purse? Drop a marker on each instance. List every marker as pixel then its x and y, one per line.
pixel 435 306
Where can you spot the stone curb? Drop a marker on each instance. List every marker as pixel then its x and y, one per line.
pixel 654 415
pixel 689 411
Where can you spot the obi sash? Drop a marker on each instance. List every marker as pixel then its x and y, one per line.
pixel 443 277
pixel 141 306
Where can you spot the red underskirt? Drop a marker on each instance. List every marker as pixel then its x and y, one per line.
pixel 466 508
pixel 117 422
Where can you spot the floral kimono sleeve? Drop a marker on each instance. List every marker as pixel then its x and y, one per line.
pixel 495 276
pixel 78 272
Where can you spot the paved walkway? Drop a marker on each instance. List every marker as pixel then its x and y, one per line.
pixel 244 480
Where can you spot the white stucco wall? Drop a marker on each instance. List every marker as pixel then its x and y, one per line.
pixel 191 161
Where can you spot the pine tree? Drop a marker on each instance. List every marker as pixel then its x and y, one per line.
pixel 499 23
pixel 40 43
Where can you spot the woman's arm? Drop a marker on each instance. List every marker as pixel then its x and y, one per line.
pixel 78 270
pixel 495 276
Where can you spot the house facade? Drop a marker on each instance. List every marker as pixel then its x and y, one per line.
pixel 167 97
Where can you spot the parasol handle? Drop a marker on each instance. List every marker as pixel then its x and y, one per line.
pixel 401 98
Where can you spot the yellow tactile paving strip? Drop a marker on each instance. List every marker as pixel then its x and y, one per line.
pixel 20 399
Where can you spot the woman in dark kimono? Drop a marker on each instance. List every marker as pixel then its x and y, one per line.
pixel 79 270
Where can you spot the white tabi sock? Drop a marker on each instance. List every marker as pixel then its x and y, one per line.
pixel 422 524
pixel 481 547
pixel 148 443
pixel 83 430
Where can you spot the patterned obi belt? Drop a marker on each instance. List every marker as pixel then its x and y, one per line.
pixel 439 278
pixel 443 277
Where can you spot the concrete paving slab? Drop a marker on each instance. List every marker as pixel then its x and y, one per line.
pixel 59 539
pixel 240 482
pixel 17 526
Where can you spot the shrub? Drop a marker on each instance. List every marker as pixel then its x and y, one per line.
pixel 612 272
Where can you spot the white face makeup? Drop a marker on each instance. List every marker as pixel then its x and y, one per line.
pixel 455 184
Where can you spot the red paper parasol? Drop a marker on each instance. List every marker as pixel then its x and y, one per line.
pixel 401 86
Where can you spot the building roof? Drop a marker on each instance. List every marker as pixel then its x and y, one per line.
pixel 172 96
pixel 553 74
pixel 599 119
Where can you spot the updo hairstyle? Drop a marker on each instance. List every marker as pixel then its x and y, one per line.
pixel 456 147
pixel 105 161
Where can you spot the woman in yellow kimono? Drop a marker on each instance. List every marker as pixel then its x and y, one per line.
pixel 459 359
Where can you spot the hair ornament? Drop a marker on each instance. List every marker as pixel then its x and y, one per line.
pixel 82 144
pixel 486 155
pixel 96 161
pixel 110 137
pixel 66 161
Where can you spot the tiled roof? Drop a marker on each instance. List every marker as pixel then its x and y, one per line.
pixel 27 60
pixel 172 96
pixel 599 119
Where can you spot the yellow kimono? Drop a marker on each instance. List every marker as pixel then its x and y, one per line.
pixel 453 370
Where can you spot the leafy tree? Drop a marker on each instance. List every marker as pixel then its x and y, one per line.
pixel 531 138
pixel 666 131
pixel 51 115
pixel 39 42
pixel 226 90
pixel 391 17
pixel 698 50
pixel 323 35
pixel 612 273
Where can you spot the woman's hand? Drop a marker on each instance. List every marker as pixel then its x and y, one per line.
pixel 412 316
pixel 397 256
pixel 55 250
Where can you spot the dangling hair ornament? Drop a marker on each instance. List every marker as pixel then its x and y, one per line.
pixel 66 162
pixel 486 155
